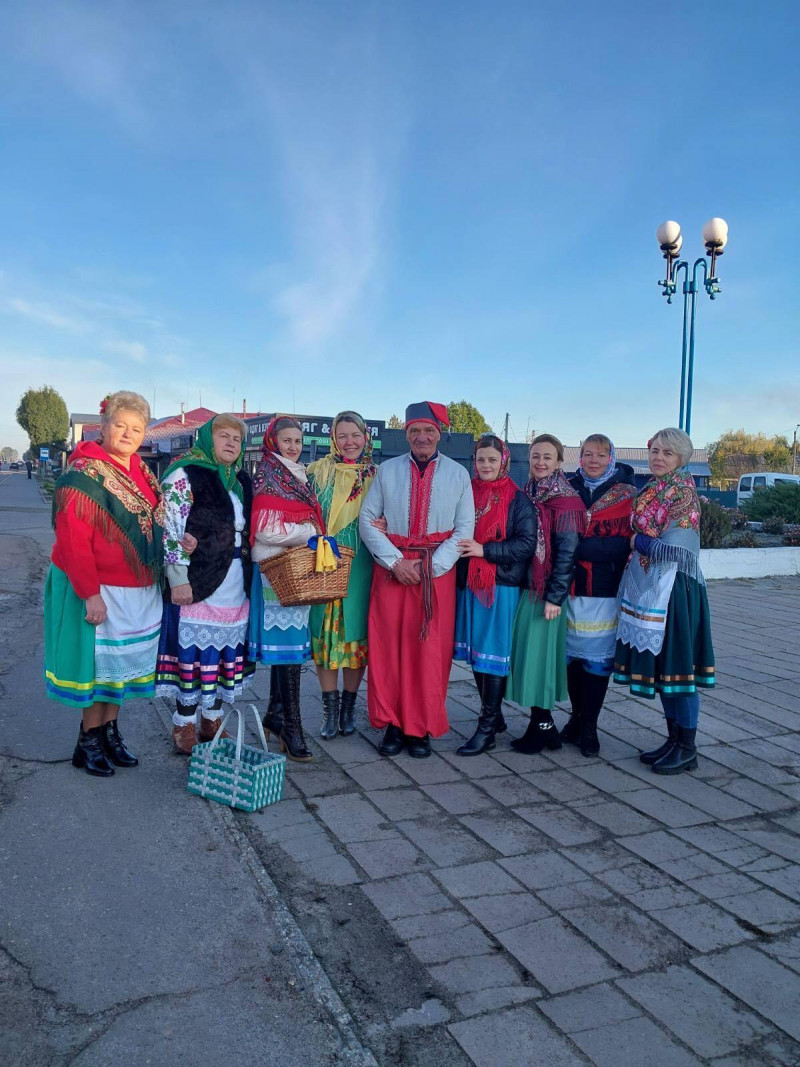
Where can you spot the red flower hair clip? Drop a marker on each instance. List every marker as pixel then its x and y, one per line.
pixel 104 403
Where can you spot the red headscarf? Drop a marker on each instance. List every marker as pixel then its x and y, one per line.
pixel 492 501
pixel 277 493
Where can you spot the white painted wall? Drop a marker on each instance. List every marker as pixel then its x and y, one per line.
pixel 749 562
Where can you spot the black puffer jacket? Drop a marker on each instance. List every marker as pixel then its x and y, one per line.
pixel 512 557
pixel 563 549
pixel 607 555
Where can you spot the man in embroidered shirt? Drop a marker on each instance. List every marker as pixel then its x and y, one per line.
pixel 427 503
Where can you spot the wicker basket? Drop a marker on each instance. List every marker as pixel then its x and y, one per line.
pixel 295 582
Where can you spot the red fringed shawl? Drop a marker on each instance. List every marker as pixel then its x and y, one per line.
pixel 609 516
pixel 559 510
pixel 492 501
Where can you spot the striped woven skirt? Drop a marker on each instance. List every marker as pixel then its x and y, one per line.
pixel 202 655
pixel 113 662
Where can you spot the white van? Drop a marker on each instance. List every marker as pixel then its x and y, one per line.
pixel 748 483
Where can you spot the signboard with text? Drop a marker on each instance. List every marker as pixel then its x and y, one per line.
pixel 44 453
pixel 316 429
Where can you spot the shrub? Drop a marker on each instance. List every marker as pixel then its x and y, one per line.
pixel 775 525
pixel 792 538
pixel 715 524
pixel 738 519
pixel 744 539
pixel 782 500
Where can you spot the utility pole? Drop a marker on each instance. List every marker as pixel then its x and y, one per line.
pixel 794 448
pixel 505 429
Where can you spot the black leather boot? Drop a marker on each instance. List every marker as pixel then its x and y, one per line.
pixel 90 755
pixel 500 725
pixel 541 733
pixel 572 728
pixel 656 753
pixel 682 756
pixel 293 741
pixel 114 746
pixel 492 690
pixel 347 714
pixel 393 741
pixel 418 747
pixel 330 715
pixel 273 717
pixel 595 687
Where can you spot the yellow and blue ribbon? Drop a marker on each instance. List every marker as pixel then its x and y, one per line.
pixel 328 553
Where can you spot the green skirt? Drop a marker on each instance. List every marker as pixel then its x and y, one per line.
pixel 686 660
pixel 538 676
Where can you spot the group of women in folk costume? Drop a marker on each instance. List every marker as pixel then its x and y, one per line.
pixel 121 539
pixel 562 584
pixel 603 580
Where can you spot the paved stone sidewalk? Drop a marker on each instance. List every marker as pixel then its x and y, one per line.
pixel 570 910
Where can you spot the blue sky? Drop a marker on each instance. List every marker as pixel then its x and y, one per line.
pixel 350 204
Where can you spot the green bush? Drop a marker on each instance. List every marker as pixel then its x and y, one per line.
pixel 792 540
pixel 745 539
pixel 782 500
pixel 775 525
pixel 715 524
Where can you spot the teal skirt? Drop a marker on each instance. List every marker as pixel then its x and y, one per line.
pixel 686 660
pixel 538 676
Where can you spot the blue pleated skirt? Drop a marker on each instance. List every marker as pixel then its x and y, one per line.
pixel 483 635
pixel 276 635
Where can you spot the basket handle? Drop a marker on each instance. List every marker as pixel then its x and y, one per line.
pixel 259 727
pixel 239 733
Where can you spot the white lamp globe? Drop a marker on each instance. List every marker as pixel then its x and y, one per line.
pixel 715 233
pixel 668 233
pixel 677 245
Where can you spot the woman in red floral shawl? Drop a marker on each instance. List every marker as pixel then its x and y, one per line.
pixel 286 513
pixel 538 675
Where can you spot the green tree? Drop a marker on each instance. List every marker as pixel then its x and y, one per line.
pixel 782 501
pixel 8 454
pixel 465 418
pixel 43 416
pixel 394 423
pixel 737 452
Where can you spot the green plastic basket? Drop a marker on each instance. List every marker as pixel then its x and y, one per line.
pixel 235 774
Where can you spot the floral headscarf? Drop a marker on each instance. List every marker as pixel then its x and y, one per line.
pixel 559 510
pixel 350 479
pixel 201 454
pixel 277 492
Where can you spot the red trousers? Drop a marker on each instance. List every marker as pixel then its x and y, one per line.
pixel 407 678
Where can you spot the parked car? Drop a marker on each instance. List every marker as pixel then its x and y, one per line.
pixel 749 483
pixel 15 466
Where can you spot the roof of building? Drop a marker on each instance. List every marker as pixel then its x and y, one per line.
pixel 76 416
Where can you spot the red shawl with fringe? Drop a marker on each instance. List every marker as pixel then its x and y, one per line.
pixel 279 496
pixel 108 521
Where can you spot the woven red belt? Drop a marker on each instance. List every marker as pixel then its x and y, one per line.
pixel 422 548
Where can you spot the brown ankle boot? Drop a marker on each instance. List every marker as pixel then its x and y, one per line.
pixel 185 738
pixel 208 727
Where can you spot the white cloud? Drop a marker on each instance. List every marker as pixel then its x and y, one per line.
pixel 134 350
pixel 46 314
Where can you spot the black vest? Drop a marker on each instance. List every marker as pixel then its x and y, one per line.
pixel 211 521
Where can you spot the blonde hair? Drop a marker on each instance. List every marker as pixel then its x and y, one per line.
pixel 548 439
pixel 226 421
pixel 677 440
pixel 597 439
pixel 123 400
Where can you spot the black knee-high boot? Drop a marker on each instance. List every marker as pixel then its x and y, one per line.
pixel 595 687
pixel 492 691
pixel 572 728
pixel 500 725
pixel 273 718
pixel 293 741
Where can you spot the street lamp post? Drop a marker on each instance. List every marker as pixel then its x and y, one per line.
pixel 794 447
pixel 670 240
